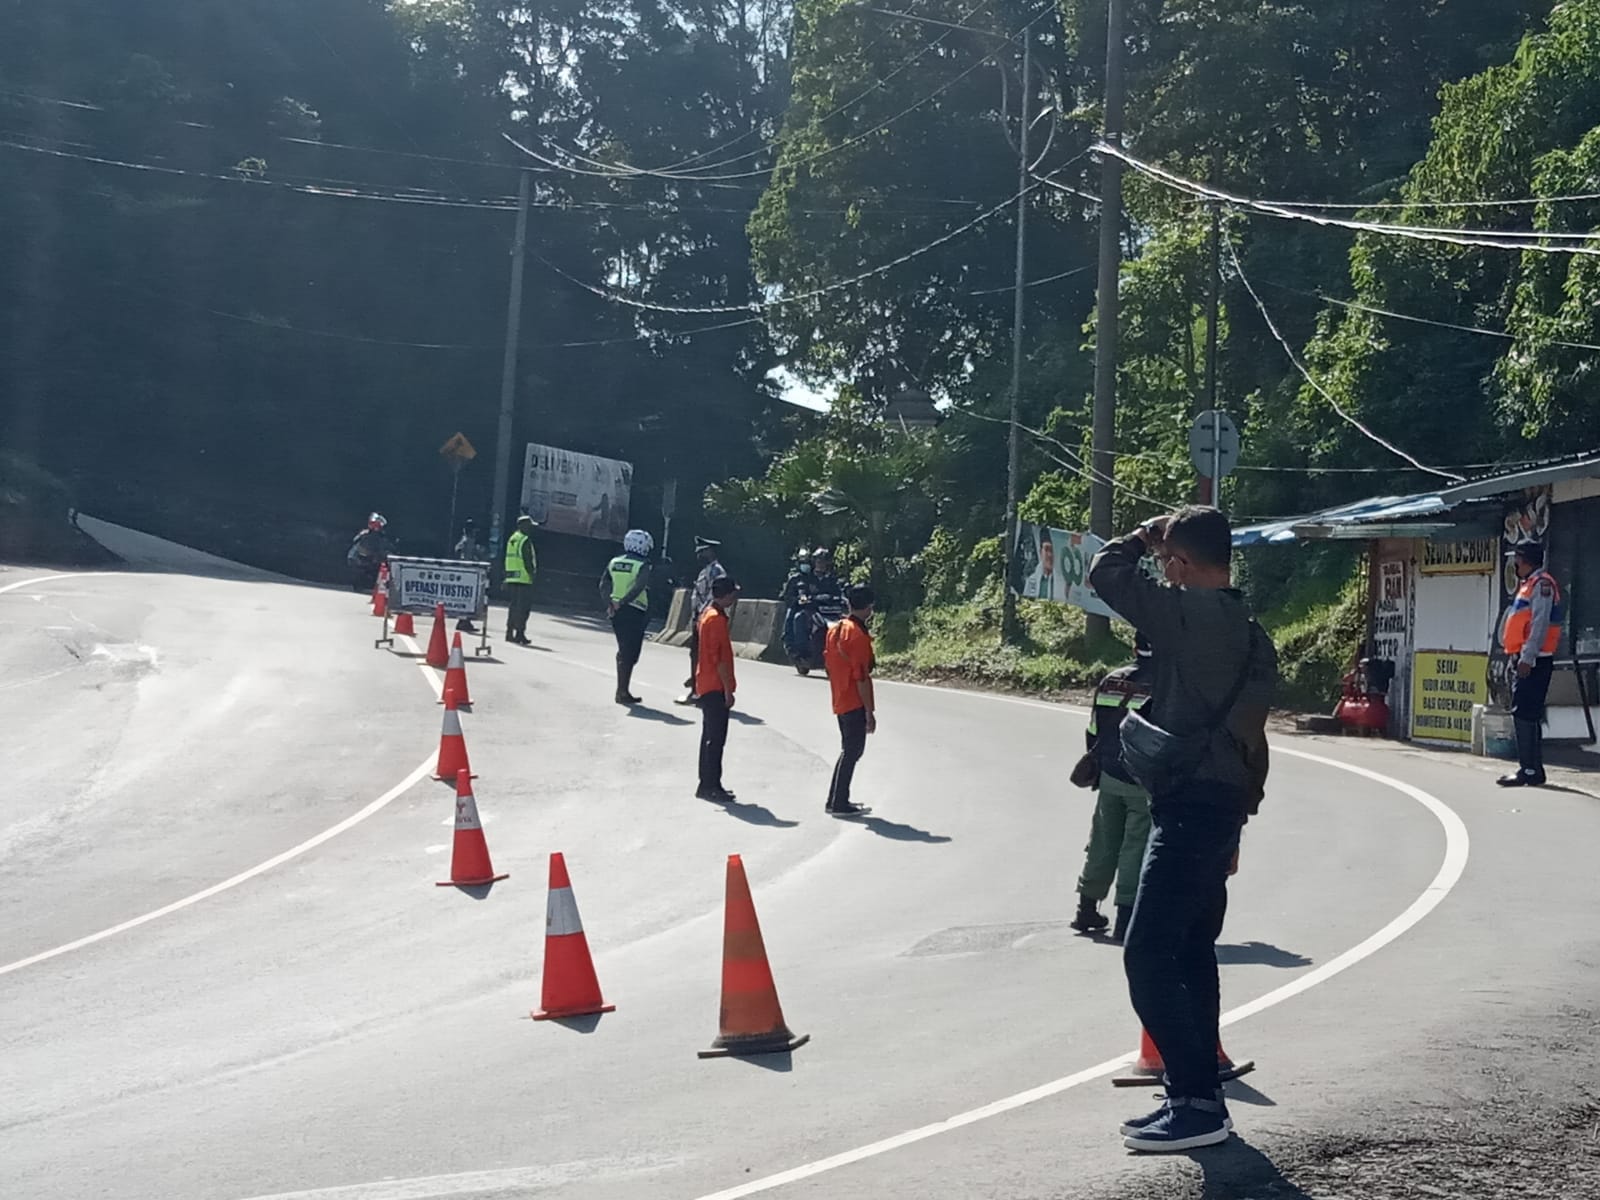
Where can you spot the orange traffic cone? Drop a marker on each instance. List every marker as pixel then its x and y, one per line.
pixel 403 625
pixel 1148 1067
pixel 469 859
pixel 751 1019
pixel 452 745
pixel 455 676
pixel 438 648
pixel 570 988
pixel 380 592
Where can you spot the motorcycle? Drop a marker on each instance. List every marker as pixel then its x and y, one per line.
pixel 809 629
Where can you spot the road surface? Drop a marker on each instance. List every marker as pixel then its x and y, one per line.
pixel 226 973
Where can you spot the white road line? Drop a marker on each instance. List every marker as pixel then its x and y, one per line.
pixel 22 583
pixel 422 771
pixel 1457 848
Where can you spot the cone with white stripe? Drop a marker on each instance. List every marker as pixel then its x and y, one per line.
pixel 452 745
pixel 469 859
pixel 455 677
pixel 570 988
pixel 380 592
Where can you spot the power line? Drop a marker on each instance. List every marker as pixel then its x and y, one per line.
pixel 1010 287
pixel 1526 239
pixel 1082 468
pixel 1312 380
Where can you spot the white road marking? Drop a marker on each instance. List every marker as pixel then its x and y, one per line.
pixel 422 771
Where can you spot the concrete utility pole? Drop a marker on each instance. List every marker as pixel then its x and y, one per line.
pixel 1008 612
pixel 508 374
pixel 1211 489
pixel 1103 438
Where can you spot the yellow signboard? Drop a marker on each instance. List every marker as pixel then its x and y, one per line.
pixel 1479 556
pixel 1444 687
pixel 458 449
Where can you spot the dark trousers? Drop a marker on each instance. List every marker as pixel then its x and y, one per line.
pixel 629 626
pixel 713 737
pixel 852 745
pixel 1170 954
pixel 519 598
pixel 1527 710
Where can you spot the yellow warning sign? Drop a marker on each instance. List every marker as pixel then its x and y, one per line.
pixel 1444 687
pixel 458 449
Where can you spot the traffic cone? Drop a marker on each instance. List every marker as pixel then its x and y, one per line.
pixel 403 626
pixel 1148 1067
pixel 751 1020
pixel 380 592
pixel 455 676
pixel 438 648
pixel 570 988
pixel 452 745
pixel 469 859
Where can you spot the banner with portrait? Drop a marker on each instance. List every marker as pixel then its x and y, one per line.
pixel 1053 564
pixel 580 494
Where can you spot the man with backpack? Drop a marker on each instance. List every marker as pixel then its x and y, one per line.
pixel 1200 749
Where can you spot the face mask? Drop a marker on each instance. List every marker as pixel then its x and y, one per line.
pixel 805 568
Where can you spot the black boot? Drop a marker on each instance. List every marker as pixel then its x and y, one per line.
pixel 624 678
pixel 1530 751
pixel 1120 929
pixel 1089 918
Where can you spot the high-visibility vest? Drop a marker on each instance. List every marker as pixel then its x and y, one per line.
pixel 625 570
pixel 1519 621
pixel 516 569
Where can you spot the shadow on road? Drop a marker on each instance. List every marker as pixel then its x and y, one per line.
pixel 782 1062
pixel 640 713
pixel 478 891
pixel 756 814
pixel 1245 1094
pixel 530 646
pixel 744 718
pixel 896 832
pixel 587 1023
pixel 1236 1169
pixel 1262 954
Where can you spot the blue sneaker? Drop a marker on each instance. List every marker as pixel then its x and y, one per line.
pixel 1134 1124
pixel 1185 1124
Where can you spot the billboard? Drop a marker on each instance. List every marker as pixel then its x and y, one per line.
pixel 580 494
pixel 1053 564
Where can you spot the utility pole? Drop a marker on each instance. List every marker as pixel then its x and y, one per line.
pixel 1211 489
pixel 1008 618
pixel 508 373
pixel 1103 437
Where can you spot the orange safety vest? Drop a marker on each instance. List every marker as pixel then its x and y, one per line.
pixel 1519 621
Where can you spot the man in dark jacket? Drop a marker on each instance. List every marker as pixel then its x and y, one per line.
pixel 1215 672
pixel 1121 824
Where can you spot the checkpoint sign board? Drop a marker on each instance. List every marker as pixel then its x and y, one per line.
pixel 1214 444
pixel 417 584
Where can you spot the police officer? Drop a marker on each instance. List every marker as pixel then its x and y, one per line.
pixel 1121 824
pixel 520 567
pixel 626 585
pixel 1530 634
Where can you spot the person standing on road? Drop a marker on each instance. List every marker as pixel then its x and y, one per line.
pixel 469 549
pixel 847 655
pixel 714 685
pixel 1199 748
pixel 626 586
pixel 705 552
pixel 1121 824
pixel 1530 634
pixel 521 565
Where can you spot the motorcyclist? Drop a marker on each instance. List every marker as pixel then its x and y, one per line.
pixel 796 595
pixel 369 550
pixel 825 582
pixel 821 605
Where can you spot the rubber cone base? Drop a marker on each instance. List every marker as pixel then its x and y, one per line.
pixel 1138 1078
pixel 557 1014
pixel 743 1047
pixel 471 882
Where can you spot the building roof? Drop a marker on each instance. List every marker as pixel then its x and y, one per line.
pixel 1407 516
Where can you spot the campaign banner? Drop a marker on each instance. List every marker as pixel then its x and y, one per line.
pixel 567 492
pixel 416 585
pixel 1053 564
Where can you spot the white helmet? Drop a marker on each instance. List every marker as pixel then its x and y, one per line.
pixel 637 541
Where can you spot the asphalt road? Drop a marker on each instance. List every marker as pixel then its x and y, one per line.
pixel 329 1023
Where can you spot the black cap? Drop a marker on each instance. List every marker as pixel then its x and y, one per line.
pixel 1531 553
pixel 723 585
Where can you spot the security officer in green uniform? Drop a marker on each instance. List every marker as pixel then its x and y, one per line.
pixel 520 567
pixel 626 587
pixel 1121 824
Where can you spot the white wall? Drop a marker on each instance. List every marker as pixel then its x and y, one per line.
pixel 1454 612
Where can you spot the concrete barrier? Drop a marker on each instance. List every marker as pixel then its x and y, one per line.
pixel 676 631
pixel 758 630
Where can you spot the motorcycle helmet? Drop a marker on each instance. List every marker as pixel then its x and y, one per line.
pixel 822 553
pixel 376 522
pixel 637 541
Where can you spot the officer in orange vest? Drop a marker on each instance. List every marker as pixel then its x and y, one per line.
pixel 1530 634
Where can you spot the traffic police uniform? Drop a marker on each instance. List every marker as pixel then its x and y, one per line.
pixel 628 582
pixel 520 566
pixel 1530 634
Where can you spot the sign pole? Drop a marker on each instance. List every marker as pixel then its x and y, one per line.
pixel 455 488
pixel 1216 457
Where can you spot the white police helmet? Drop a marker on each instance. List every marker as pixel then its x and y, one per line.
pixel 637 541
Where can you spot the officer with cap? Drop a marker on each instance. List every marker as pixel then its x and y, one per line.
pixel 520 567
pixel 626 585
pixel 1530 634
pixel 706 553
